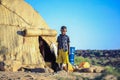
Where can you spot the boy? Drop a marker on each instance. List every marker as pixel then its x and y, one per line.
pixel 63 48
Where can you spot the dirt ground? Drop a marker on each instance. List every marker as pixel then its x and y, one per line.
pixel 61 75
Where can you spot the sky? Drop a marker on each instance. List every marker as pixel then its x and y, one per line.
pixel 91 24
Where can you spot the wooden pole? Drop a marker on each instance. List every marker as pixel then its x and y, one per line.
pixel 40 32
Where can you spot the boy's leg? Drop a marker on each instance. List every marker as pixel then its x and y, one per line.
pixel 67 67
pixel 59 59
pixel 61 66
pixel 66 59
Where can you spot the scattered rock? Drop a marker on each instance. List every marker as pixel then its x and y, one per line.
pixel 10 65
pixel 92 69
pixel 99 69
pixel 2 66
pixel 110 77
pixel 49 70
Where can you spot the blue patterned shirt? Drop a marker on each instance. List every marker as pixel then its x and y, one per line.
pixel 63 41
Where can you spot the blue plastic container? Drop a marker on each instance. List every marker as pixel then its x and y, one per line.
pixel 71 55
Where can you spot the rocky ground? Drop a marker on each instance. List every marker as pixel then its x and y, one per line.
pixel 61 75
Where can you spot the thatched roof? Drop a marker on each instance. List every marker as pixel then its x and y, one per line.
pixel 15 12
pixel 19 13
pixel 15 17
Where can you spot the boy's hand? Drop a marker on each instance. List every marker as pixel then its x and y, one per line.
pixel 68 52
pixel 57 52
pixel 68 48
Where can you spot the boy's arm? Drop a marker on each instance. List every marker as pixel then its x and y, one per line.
pixel 57 45
pixel 68 45
pixel 68 48
pixel 57 50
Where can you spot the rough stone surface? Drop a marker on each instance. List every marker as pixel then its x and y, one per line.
pixel 15 17
pixel 11 66
pixel 92 69
pixel 110 77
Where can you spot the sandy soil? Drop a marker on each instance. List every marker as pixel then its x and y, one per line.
pixel 62 75
pixel 25 76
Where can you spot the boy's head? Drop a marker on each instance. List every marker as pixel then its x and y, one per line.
pixel 63 30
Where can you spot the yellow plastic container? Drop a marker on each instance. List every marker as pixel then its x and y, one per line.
pixel 84 65
pixel 70 67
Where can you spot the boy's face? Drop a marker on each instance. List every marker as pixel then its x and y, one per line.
pixel 63 31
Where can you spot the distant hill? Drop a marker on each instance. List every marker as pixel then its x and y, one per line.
pixel 98 53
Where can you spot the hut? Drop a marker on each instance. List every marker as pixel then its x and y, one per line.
pixel 21 30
